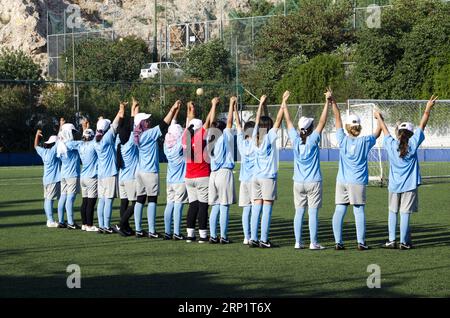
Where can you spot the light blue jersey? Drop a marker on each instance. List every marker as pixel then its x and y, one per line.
pixel 306 157
pixel 176 165
pixel 404 173
pixel 222 156
pixel 52 165
pixel 353 152
pixel 148 150
pixel 88 156
pixel 245 148
pixel 70 164
pixel 130 156
pixel 106 155
pixel 266 155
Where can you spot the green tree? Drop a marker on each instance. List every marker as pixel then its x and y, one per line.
pixel 16 65
pixel 210 61
pixel 307 81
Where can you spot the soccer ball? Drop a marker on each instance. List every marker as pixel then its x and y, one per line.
pixel 199 91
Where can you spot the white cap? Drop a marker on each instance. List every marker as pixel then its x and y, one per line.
pixel 406 125
pixel 52 139
pixel 353 120
pixel 68 127
pixel 103 124
pixel 89 133
pixel 140 117
pixel 196 122
pixel 305 122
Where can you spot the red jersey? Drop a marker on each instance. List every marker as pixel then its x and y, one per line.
pixel 197 161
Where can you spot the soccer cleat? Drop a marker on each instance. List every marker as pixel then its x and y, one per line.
pixel 83 227
pixel 405 246
pixel 213 240
pixel 390 244
pixel 178 237
pixel 363 247
pixel 263 244
pixel 92 228
pixel 108 230
pixel 246 242
pixel 190 239
pixel 153 235
pixel 339 247
pixel 252 244
pixel 140 234
pixel 52 224
pixel 116 229
pixel 316 246
pixel 62 225
pixel 202 240
pixel 73 226
pixel 167 237
pixel 299 246
pixel 224 241
pixel 101 230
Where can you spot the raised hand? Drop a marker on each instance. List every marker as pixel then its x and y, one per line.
pixel 263 99
pixel 39 133
pixel 215 101
pixel 286 96
pixel 431 102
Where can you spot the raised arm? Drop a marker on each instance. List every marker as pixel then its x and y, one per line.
pixel 324 116
pixel 120 114
pixel 134 107
pixel 337 114
pixel 175 116
pixel 262 102
pixel 426 114
pixel 190 112
pixel 279 118
pixel 381 123
pixel 377 132
pixel 230 112
pixel 236 116
pixel 212 113
pixel 172 111
pixel 287 116
pixel 37 138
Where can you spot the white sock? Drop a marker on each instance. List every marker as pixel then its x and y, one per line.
pixel 190 232
pixel 203 233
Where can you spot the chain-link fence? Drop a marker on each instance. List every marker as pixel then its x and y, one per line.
pixel 434 152
pixel 28 105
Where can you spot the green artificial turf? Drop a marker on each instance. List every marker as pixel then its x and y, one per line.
pixel 33 258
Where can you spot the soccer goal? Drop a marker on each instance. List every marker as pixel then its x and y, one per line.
pixel 434 153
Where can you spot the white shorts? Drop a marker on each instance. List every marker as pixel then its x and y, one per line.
pixel 147 183
pixel 176 192
pixel 89 187
pixel 107 187
pixel 127 190
pixel 70 185
pixel 221 187
pixel 308 195
pixel 354 194
pixel 52 191
pixel 245 193
pixel 406 202
pixel 264 189
pixel 197 189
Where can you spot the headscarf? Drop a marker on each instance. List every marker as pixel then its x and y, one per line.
pixel 174 133
pixel 65 135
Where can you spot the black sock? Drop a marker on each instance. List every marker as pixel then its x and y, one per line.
pixel 83 211
pixel 123 206
pixel 203 216
pixel 90 211
pixel 124 220
pixel 192 214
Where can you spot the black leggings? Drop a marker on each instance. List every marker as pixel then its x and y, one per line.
pixel 197 210
pixel 87 211
pixel 126 211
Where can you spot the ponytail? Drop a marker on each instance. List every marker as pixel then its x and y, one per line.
pixel 403 137
pixel 304 133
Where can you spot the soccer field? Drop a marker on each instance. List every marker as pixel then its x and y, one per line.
pixel 34 258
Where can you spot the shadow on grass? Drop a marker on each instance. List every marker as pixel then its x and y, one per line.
pixel 185 285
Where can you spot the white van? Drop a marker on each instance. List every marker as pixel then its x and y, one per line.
pixel 150 70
